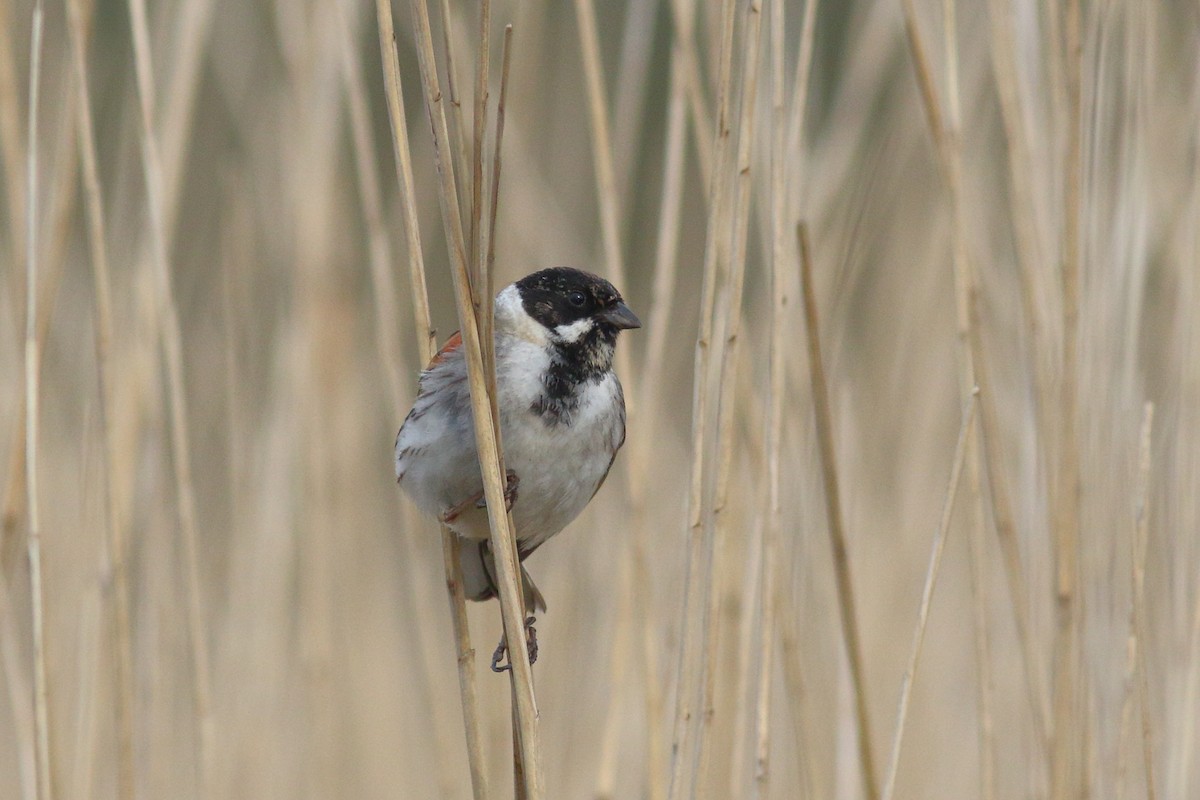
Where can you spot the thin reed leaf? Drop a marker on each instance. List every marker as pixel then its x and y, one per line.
pixel 931 576
pixel 852 639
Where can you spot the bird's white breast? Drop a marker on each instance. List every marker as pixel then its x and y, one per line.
pixel 559 465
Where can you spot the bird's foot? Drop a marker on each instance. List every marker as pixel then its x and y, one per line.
pixel 502 648
pixel 511 483
pixel 455 511
pixel 479 500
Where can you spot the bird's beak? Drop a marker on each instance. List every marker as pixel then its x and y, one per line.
pixel 620 317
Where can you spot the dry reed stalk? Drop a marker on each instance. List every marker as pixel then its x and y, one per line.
pixel 973 371
pixel 379 249
pixel 800 89
pixel 50 270
pixel 931 576
pixel 41 688
pixel 833 509
pixel 1067 747
pixel 427 347
pixel 608 203
pixel 117 579
pixel 476 236
pixel 13 150
pixel 1187 739
pixel 695 645
pixel 1022 210
pixel 633 577
pixel 666 252
pixel 606 189
pixel 1139 543
pixel 973 375
pixel 426 336
pixel 983 657
pixel 187 50
pixel 487 237
pixel 768 616
pixel 18 690
pixel 482 291
pixel 793 678
pixel 609 206
pixel 170 335
pixel 666 267
pixel 749 599
pixel 489 250
pixel 87 678
pixel 683 18
pixel 782 606
pixel 618 661
pixel 386 316
pixel 776 380
pixel 486 428
pixel 461 145
pixel 725 356
pixel 633 83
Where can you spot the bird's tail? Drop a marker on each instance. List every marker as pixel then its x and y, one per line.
pixel 479 575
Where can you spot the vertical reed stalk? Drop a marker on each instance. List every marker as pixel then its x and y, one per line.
pixel 972 363
pixel 666 268
pixel 1023 213
pixel 683 13
pixel 12 150
pixel 793 677
pixel 1068 750
pixel 41 687
pixel 931 576
pixel 1139 544
pixel 476 236
pixel 773 415
pixel 694 644
pixel 833 511
pixel 118 582
pixel 426 347
pixel 461 145
pixel 497 160
pixel 973 375
pixel 170 334
pixel 386 332
pixel 983 656
pixel 725 355
pixel 606 190
pixel 502 540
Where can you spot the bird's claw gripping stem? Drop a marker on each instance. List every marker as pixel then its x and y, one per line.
pixel 478 500
pixel 502 648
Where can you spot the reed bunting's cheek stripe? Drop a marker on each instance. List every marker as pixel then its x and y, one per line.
pixel 574 331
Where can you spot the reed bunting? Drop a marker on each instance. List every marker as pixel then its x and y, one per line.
pixel 562 420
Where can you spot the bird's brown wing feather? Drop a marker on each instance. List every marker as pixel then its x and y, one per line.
pixel 450 345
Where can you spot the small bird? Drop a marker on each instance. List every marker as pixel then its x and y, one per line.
pixel 562 421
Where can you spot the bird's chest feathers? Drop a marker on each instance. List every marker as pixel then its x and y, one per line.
pixel 554 409
pixel 557 389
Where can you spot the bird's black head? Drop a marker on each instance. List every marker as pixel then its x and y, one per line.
pixel 582 315
pixel 578 308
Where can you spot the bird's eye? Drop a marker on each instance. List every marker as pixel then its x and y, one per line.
pixel 577 299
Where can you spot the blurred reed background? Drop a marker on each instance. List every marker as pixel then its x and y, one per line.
pixel 237 602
